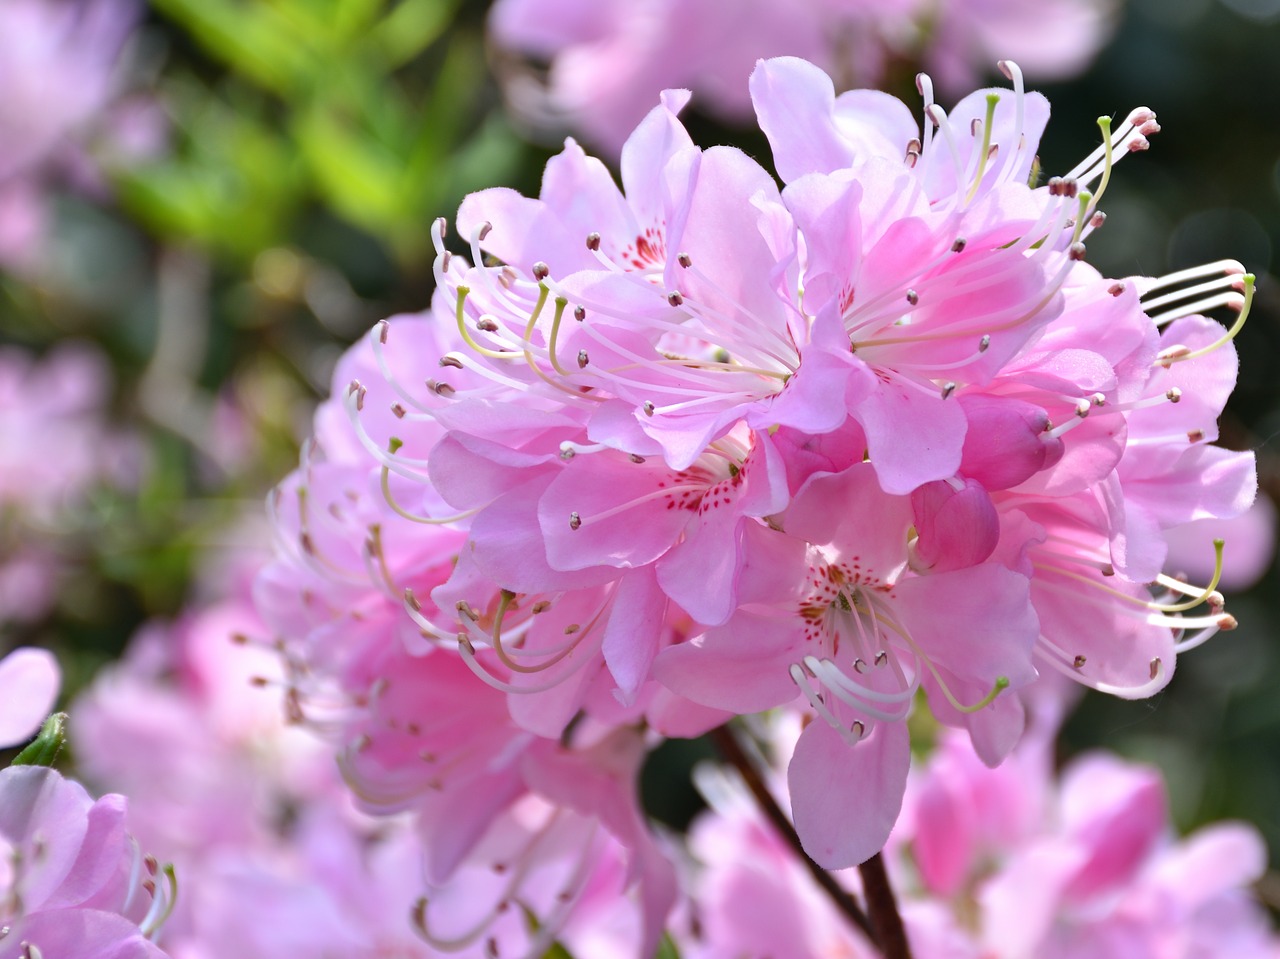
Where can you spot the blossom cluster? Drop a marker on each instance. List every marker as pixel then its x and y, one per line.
pixel 1004 863
pixel 61 72
pixel 51 402
pixel 701 447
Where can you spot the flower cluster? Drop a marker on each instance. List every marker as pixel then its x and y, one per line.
pixel 606 60
pixel 1001 863
pixel 59 67
pixel 55 402
pixel 702 447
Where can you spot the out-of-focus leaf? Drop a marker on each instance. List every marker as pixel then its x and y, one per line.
pixel 253 38
pixel 409 29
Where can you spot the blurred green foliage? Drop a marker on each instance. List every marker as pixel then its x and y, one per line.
pixel 377 111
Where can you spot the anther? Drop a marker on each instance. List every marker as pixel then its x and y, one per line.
pixel 882 657
pixel 579 313
pixel 593 242
pixel 1173 394
pixel 684 259
pixel 451 361
pixel 567 452
pixel 1070 188
pixel 1082 408
pixel 1227 622
pixel 463 607
pixel 1055 186
pixel 1168 357
pixel 541 606
pixel 948 388
pixel 1076 251
pixel 859 666
pixel 575 521
pixel 648 407
pixel 399 410
pixel 636 458
pixel 1195 436
pixel 572 628
pixel 675 298
pixel 382 332
pixel 1099 218
pixel 1078 662
pixel 858 729
pixel 913 297
pixel 485 228
pixel 1115 289
pixel 583 359
pixel 984 344
pixel 959 245
pixel 487 325
pixel 541 271
pixel 359 391
pixel 1155 668
pixel 1108 570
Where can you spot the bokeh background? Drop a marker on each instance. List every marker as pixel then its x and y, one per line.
pixel 198 219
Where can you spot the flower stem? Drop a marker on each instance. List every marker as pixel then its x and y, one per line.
pixel 727 743
pixel 883 907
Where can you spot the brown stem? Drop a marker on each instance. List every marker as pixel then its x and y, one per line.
pixel 885 918
pixel 737 757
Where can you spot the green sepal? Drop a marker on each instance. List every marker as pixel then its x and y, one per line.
pixel 43 751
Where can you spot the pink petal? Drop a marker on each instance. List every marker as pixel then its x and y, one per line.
pixel 29 681
pixel 845 799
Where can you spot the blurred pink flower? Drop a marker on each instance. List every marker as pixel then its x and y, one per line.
pixel 1007 863
pixel 59 68
pixel 607 61
pixel 55 447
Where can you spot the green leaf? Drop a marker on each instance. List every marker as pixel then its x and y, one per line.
pixel 44 750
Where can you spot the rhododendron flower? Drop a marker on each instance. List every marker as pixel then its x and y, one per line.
pixel 72 881
pixel 701 446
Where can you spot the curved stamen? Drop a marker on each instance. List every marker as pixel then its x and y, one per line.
pixel 385 484
pixel 1248 280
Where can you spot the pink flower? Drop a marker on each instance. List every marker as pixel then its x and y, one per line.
pixel 59 66
pixel 71 878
